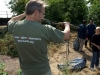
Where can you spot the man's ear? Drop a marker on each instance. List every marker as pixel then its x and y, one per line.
pixel 36 12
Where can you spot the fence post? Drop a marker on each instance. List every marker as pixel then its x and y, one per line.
pixel 7 14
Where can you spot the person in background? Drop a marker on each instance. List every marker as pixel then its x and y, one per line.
pixel 31 38
pixel 82 34
pixel 90 31
pixel 95 41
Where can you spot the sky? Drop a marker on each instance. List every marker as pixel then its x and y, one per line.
pixel 4 9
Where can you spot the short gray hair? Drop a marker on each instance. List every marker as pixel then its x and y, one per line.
pixel 33 5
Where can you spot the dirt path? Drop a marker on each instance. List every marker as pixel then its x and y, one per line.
pixel 11 64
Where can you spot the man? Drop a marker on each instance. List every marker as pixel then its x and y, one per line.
pixel 31 38
pixel 82 34
pixel 90 31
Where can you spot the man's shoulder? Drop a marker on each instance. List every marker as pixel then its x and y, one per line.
pixel 15 22
pixel 48 26
pixel 9 22
pixel 88 25
pixel 80 25
pixel 94 25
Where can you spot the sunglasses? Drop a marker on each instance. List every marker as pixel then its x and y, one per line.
pixel 42 12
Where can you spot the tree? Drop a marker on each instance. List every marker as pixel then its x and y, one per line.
pixel 17 6
pixel 94 11
pixel 55 11
pixel 58 10
pixel 67 10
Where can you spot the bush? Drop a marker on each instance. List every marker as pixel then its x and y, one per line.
pixel 7 46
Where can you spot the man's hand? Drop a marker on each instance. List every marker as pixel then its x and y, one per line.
pixel 98 47
pixel 66 24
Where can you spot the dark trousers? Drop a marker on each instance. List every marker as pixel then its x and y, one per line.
pixel 89 39
pixel 95 59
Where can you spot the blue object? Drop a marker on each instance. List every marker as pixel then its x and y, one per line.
pixel 76 44
pixel 77 63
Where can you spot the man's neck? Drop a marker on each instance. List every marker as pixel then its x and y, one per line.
pixel 91 23
pixel 30 18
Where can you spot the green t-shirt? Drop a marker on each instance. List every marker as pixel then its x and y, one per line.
pixel 31 39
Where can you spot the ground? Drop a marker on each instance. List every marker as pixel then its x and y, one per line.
pixel 58 55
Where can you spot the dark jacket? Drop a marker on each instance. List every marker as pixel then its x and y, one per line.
pixel 82 31
pixel 91 29
pixel 96 40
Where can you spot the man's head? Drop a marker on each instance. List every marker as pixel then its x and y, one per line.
pixel 35 10
pixel 84 22
pixel 91 21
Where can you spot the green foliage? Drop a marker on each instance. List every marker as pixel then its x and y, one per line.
pixel 19 72
pixel 58 10
pixel 3 30
pixel 7 46
pixel 2 66
pixel 67 72
pixel 94 11
pixel 67 10
pixel 17 6
pixel 54 10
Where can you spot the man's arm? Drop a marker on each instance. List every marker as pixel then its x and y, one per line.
pixel 13 20
pixel 19 17
pixel 95 45
pixel 67 30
